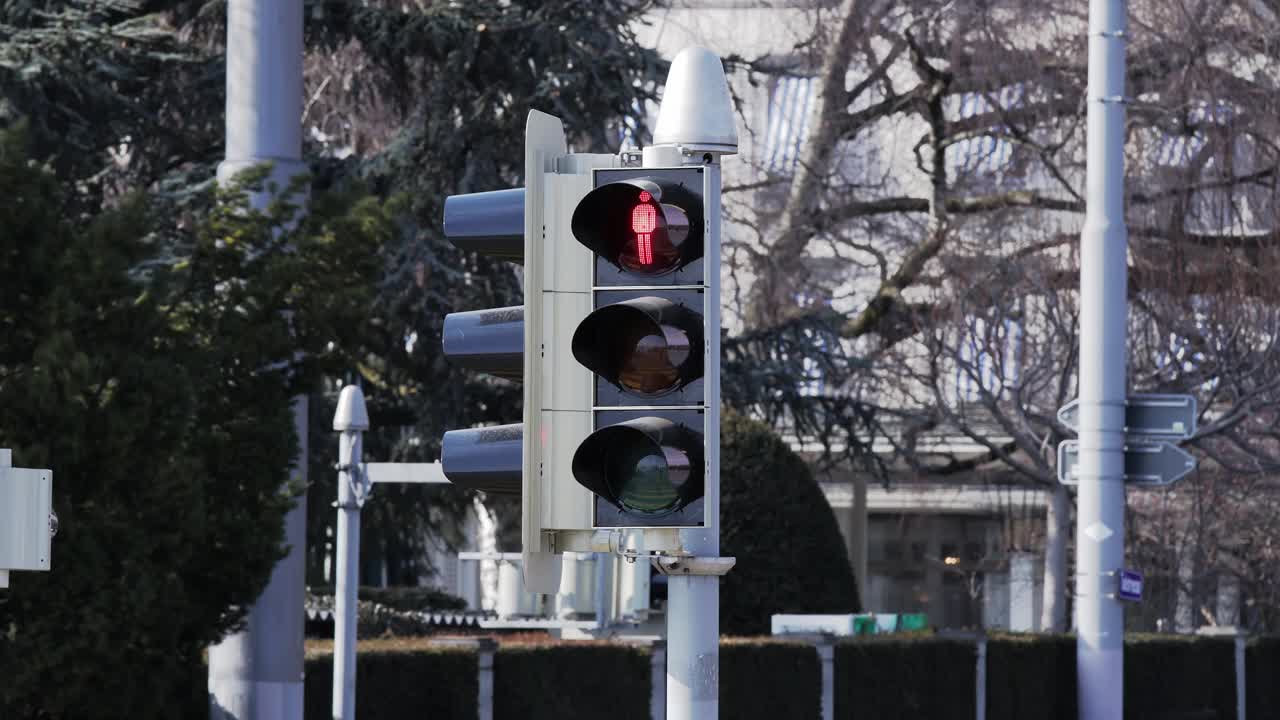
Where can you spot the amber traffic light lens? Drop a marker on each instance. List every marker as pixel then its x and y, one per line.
pixel 648 346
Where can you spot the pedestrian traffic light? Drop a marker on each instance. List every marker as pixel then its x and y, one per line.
pixel 644 341
pixel 649 226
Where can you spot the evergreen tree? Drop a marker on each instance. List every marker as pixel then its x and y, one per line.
pixel 151 365
pixel 776 521
pixel 414 99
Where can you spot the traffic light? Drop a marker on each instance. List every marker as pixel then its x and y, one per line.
pixel 506 342
pixel 489 341
pixel 644 341
pixel 616 343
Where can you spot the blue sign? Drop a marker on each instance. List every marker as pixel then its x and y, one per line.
pixel 1130 585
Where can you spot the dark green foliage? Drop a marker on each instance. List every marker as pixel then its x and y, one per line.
pixel 776 521
pixel 1262 667
pixel 150 365
pixel 401 598
pixel 769 680
pixel 772 372
pixel 392 684
pixel 571 682
pixel 128 94
pixel 460 79
pixel 1031 676
pixel 905 677
pixel 1171 676
pixel 96 76
pixel 1165 676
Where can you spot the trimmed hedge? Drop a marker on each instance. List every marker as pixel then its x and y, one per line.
pixel 769 679
pixel 398 680
pixel 1165 677
pixel 1262 665
pixel 571 681
pixel 1179 677
pixel 904 676
pixel 403 598
pixel 1031 676
pixel 1028 676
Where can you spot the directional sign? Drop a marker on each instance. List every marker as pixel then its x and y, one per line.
pixel 1171 416
pixel 1130 585
pixel 1149 464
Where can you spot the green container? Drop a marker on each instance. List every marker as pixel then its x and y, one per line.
pixel 913 621
pixel 864 625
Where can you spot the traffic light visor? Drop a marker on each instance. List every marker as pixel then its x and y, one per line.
pixel 490 223
pixel 647 466
pixel 641 225
pixel 648 345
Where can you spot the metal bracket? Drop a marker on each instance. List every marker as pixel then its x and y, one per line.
pixel 694 565
pixel 361 487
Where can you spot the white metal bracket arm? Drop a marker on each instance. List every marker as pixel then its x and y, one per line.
pixel 359 481
pixel 694 565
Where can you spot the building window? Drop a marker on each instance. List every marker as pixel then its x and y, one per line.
pixel 988 358
pixel 787 127
pixel 986 151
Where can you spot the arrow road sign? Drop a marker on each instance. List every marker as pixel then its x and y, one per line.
pixel 1148 464
pixel 1172 416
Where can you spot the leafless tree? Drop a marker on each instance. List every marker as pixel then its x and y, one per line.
pixel 937 204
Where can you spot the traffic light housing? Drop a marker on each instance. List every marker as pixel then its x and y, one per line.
pixel 614 345
pixel 507 342
pixel 645 343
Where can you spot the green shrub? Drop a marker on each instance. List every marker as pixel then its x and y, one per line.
pixel 571 681
pixel 769 680
pixel 1031 676
pixel 399 682
pixel 776 521
pixel 1168 676
pixel 905 677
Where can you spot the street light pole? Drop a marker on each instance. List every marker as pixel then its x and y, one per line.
pixel 256 673
pixel 1103 317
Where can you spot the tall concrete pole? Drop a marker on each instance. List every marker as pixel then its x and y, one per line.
pixel 351 419
pixel 1103 316
pixel 256 674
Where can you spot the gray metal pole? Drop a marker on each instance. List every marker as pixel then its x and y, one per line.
pixel 693 601
pixel 696 126
pixel 351 420
pixel 1103 315
pixel 256 674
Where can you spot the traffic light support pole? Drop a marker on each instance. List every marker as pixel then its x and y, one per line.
pixel 693 586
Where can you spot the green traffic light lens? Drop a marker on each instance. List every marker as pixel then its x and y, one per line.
pixel 641 480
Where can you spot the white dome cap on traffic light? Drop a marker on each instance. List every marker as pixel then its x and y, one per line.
pixel 696 111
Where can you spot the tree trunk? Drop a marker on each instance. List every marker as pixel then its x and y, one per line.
pixel 783 263
pixel 1053 612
